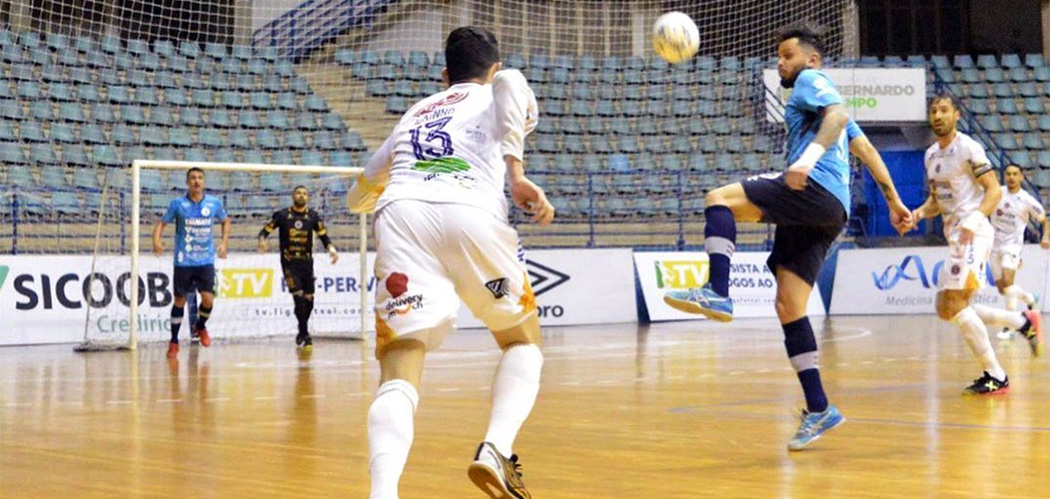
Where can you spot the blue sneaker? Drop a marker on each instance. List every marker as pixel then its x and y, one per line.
pixel 703 301
pixel 815 424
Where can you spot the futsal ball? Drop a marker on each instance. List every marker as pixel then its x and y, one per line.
pixel 675 37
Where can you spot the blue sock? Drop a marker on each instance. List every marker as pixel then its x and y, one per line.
pixel 176 322
pixel 802 351
pixel 719 242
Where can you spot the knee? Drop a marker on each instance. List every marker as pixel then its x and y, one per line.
pixel 1001 285
pixel 180 301
pixel 788 309
pixel 716 198
pixel 949 306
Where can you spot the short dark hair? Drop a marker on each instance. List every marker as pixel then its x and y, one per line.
pixel 808 34
pixel 1012 165
pixel 300 186
pixel 194 169
pixel 469 52
pixel 939 96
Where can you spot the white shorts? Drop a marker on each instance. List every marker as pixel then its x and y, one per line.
pixel 964 268
pixel 1005 258
pixel 431 255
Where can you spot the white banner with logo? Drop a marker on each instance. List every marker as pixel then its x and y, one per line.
pixel 46 299
pixel 751 284
pixel 904 280
pixel 577 286
pixel 869 94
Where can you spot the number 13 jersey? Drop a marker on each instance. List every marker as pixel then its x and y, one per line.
pixel 447 149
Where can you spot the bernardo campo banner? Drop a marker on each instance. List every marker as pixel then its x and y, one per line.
pixel 904 280
pixel 869 95
pixel 49 299
pixel 580 286
pixel 752 286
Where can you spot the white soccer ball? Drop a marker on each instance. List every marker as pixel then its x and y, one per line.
pixel 675 37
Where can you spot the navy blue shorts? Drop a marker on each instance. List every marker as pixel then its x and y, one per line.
pixel 808 221
pixel 190 279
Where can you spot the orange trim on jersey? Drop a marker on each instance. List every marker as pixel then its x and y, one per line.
pixel 971 281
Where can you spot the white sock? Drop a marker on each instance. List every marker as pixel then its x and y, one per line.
pixel 390 433
pixel 998 317
pixel 976 336
pixel 514 390
pixel 1014 293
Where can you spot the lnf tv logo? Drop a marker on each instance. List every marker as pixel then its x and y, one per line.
pixel 246 283
pixel 912 269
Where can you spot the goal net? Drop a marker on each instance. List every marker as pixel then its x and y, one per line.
pixel 626 144
pixel 251 297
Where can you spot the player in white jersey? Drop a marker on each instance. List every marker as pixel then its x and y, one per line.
pixel 1010 219
pixel 442 235
pixel 964 190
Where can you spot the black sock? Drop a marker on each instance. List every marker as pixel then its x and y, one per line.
pixel 202 316
pixel 802 351
pixel 176 322
pixel 303 308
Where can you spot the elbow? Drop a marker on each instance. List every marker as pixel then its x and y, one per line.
pixel 839 118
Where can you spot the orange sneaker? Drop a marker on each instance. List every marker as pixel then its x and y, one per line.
pixel 173 350
pixel 204 338
pixel 1034 331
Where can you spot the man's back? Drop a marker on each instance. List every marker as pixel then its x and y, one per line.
pixel 446 150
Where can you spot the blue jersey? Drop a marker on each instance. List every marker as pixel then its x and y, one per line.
pixel 194 243
pixel 813 92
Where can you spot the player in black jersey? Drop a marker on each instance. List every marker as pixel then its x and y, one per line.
pixel 296 225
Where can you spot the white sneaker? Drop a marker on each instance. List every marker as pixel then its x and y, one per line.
pixel 497 476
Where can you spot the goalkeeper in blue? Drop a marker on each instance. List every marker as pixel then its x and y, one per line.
pixel 809 204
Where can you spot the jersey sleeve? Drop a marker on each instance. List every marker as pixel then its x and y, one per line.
pixel 172 212
pixel 220 210
pixel 853 130
pixel 979 163
pixel 370 184
pixel 270 226
pixel 516 111
pixel 322 231
pixel 1035 208
pixel 814 91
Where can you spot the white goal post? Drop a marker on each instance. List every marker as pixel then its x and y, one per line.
pixel 136 188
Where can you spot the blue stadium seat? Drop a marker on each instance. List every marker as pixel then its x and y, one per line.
pixel 220 117
pixel 62 132
pixel 74 155
pixel 307 122
pixel 41 110
pixel 1043 123
pixel 984 61
pixel 994 75
pixel 203 97
pixel 51 175
pixel 1011 61
pixel 239 139
pixel 31 131
pixel 1006 106
pixel 147 96
pixel 266 139
pixel 1034 60
pixel 134 115
pixel 253 156
pixel 1034 141
pixel 179 137
pixel 217 182
pixel 1019 75
pixel 210 137
pixel 92 134
pixel 316 103
pixel 11 153
pixel 963 61
pixel 1022 159
pixel 86 178
pixel 249 119
pixel 7 132
pixel 1028 89
pixel 66 203
pixel 1034 105
pixel 118 95
pixel 190 116
pixel 162 116
pixel 287 101
pixel 122 135
pixel 151 136
pixel 294 140
pixel 991 123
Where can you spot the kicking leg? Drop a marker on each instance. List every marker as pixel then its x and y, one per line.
pixel 954 306
pixel 725 207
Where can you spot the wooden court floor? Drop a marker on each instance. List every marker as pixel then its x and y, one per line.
pixel 670 411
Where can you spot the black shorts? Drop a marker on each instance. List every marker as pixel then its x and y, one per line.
pixel 808 221
pixel 298 276
pixel 190 279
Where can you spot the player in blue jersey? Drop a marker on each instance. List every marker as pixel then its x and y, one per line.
pixel 809 203
pixel 195 251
